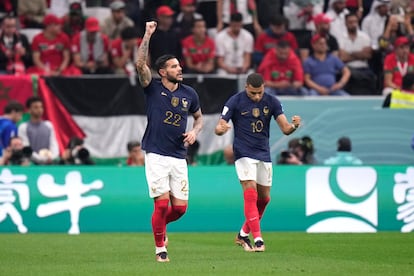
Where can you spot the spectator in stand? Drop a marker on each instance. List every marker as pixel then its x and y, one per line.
pixel 337 11
pixel 183 23
pixel 60 8
pixel 247 9
pixel 355 51
pixel 267 40
pixel 397 26
pixel 74 22
pixel 303 149
pixel 322 25
pixel 135 154
pixel 344 154
pixel 13 113
pixel 282 71
pixel 199 50
pixel 374 23
pixel 39 134
pixel 124 49
pixel 234 48
pixel 117 21
pixel 403 98
pixel 90 49
pixel 51 50
pixel 31 13
pixel 301 13
pixel 16 153
pixel 321 70
pixel 397 65
pixel 8 7
pixel 15 51
pixel 164 40
pixel 355 6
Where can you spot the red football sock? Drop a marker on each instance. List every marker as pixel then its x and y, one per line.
pixel 261 206
pixel 159 221
pixel 175 212
pixel 251 212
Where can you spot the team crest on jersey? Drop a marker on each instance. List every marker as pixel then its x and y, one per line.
pixel 184 102
pixel 256 112
pixel 175 101
pixel 265 110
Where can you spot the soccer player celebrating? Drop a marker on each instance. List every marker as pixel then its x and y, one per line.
pixel 165 139
pixel 251 112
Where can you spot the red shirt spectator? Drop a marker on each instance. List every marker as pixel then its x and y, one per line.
pixel 198 50
pixel 90 49
pixel 274 69
pixel 51 50
pixel 124 49
pixel 282 71
pixel 397 65
pixel 267 40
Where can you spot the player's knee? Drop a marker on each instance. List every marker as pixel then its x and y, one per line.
pixel 180 209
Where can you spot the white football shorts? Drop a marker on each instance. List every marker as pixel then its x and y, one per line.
pixel 252 169
pixel 166 174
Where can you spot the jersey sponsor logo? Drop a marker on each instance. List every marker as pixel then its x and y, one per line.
pixel 256 112
pixel 175 101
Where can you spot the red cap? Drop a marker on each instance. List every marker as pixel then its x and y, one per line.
pixel 51 19
pixel 321 18
pixel 187 2
pixel 316 37
pixel 401 40
pixel 164 10
pixel 92 24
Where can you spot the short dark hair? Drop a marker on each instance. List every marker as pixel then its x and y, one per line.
pixel 129 33
pixel 13 106
pixel 162 60
pixel 408 81
pixel 344 144
pixel 132 144
pixel 278 20
pixel 32 100
pixel 236 17
pixel 255 80
pixel 350 14
pixel 195 21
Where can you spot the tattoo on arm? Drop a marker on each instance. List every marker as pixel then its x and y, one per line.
pixel 144 73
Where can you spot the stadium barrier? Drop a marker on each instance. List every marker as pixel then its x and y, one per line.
pixel 115 199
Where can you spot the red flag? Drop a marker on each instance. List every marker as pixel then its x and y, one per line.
pixel 65 126
pixel 18 88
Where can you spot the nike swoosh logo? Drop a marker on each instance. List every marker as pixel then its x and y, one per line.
pixel 245 112
pixel 163 94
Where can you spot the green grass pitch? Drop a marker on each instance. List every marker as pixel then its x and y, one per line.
pixel 207 254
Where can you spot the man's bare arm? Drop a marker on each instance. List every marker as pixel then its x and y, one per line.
pixel 144 72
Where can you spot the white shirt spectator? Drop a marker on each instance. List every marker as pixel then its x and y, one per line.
pixel 293 11
pixel 338 20
pixel 361 41
pixel 232 49
pixel 374 24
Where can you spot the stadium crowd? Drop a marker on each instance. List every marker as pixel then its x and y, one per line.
pixel 302 47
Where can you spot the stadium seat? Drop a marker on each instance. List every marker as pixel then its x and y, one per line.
pixel 30 33
pixel 99 12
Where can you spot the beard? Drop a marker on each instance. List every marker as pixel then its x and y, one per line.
pixel 352 30
pixel 172 79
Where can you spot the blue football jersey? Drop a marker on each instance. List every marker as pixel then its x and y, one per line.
pixel 251 121
pixel 167 114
